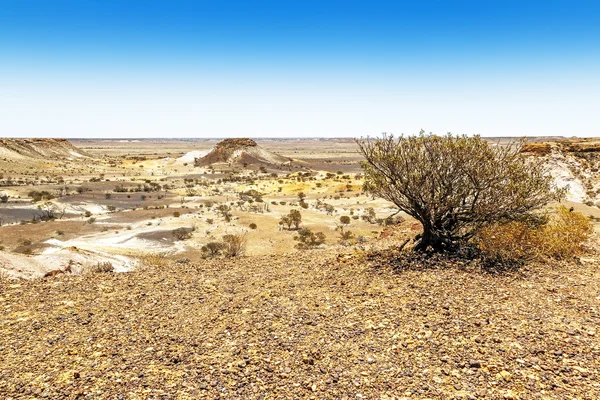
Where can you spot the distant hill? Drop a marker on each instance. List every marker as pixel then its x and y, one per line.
pixel 39 149
pixel 241 152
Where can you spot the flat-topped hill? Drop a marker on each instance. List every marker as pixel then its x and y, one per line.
pixel 241 151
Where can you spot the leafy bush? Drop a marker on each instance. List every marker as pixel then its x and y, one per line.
pixel 253 226
pixel 455 185
pixel 308 239
pixel 560 236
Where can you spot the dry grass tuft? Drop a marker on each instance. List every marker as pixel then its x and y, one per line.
pixel 154 260
pixel 561 237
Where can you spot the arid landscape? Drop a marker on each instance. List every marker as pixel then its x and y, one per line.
pixel 176 269
pixel 284 200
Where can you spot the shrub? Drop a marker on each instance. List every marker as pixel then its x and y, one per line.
pixel 181 234
pixel 308 239
pixel 213 249
pixel 235 245
pixel 563 236
pixel 560 236
pixel 91 220
pixel 39 196
pixel 102 267
pixel 454 185
pixel 176 214
pixel 253 226
pixel 345 236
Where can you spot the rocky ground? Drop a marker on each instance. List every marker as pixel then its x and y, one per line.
pixel 312 324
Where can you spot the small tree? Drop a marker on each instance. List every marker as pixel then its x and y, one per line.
pixel 454 185
pixel 294 218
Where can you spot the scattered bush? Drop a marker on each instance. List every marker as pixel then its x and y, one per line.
pixel 253 226
pixel 176 214
pixel 308 239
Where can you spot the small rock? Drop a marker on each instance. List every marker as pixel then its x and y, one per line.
pixel 506 375
pixel 475 364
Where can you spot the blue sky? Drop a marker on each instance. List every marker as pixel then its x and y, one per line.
pixel 83 68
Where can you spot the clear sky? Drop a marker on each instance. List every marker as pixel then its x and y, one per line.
pixel 174 68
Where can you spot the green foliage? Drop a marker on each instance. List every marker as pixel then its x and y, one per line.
pixel 454 185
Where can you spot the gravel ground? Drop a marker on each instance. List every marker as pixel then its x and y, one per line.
pixel 310 324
